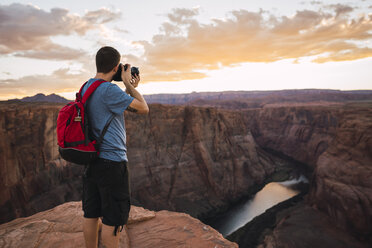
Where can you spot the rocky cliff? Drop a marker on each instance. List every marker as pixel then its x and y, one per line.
pixel 336 141
pixel 62 227
pixel 293 224
pixel 342 184
pixel 332 140
pixel 185 159
pixel 302 226
pixel 194 160
pixel 32 177
pixel 200 160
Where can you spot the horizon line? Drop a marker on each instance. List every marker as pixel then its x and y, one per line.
pixel 210 92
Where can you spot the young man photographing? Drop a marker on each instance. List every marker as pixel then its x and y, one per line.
pixel 105 183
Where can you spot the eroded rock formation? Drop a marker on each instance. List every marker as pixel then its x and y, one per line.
pixel 62 227
pixel 343 175
pixel 336 141
pixel 199 160
pixel 194 160
pixel 184 159
pixel 32 177
pixel 302 226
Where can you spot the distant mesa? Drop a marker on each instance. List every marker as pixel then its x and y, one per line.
pixel 236 99
pixel 259 99
pixel 42 98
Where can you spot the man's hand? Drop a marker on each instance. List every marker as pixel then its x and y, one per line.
pixel 126 75
pixel 138 104
pixel 135 80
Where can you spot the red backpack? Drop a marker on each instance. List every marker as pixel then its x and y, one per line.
pixel 74 142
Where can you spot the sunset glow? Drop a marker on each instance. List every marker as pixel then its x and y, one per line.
pixel 185 46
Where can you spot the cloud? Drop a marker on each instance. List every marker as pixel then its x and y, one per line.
pixel 341 9
pixel 59 81
pixel 315 2
pixel 101 16
pixel 185 47
pixel 182 15
pixel 52 51
pixel 26 30
pixel 67 79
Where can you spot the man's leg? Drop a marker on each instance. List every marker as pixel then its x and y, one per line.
pixel 90 229
pixel 109 240
pixel 91 202
pixel 114 192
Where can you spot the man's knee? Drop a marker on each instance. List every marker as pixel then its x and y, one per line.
pixel 91 220
pixel 108 237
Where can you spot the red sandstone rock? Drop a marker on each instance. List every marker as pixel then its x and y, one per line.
pixel 62 227
pixel 184 159
pixel 32 176
pixel 337 142
pixel 198 159
pixel 342 184
pixel 193 160
pixel 302 226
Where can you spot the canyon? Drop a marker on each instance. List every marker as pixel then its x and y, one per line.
pixel 186 159
pixel 336 142
pixel 201 160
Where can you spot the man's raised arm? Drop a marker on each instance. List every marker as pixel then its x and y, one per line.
pixel 139 104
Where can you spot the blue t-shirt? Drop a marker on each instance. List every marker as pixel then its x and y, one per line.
pixel 106 100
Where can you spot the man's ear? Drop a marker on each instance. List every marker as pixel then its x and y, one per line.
pixel 116 68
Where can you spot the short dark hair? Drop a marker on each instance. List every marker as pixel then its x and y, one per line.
pixel 106 59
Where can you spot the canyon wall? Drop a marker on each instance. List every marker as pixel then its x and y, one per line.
pixel 201 160
pixel 194 160
pixel 184 159
pixel 301 133
pixel 343 175
pixel 293 224
pixel 32 176
pixel 334 140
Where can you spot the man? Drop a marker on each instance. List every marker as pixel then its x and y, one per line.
pixel 105 183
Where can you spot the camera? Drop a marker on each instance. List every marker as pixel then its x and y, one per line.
pixel 134 71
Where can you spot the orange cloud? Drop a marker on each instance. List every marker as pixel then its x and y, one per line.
pixel 26 32
pixel 59 81
pixel 185 46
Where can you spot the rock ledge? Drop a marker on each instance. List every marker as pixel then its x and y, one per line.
pixel 62 227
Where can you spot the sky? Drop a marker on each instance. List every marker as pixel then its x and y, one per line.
pixel 187 46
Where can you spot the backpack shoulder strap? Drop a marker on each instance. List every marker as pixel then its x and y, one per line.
pixel 90 90
pixel 104 130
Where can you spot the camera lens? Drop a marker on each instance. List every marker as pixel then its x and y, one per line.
pixel 117 77
pixel 134 71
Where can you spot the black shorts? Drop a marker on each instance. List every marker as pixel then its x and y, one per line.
pixel 106 192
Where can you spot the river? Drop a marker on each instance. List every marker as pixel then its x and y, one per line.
pixel 245 211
